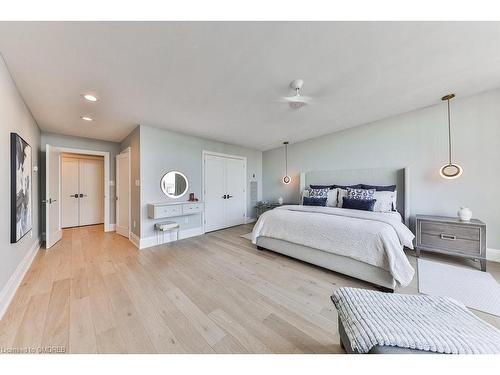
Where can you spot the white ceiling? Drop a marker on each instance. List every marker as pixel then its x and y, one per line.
pixel 221 80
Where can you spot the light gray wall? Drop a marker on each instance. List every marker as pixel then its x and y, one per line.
pixel 113 148
pixel 15 117
pixel 133 141
pixel 416 139
pixel 162 151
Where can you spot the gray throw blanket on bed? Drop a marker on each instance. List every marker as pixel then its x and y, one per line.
pixel 434 324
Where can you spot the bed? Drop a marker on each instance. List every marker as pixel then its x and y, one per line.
pixel 361 244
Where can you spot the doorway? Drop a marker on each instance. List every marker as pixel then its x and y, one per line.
pixel 53 191
pixel 82 191
pixel 123 194
pixel 224 190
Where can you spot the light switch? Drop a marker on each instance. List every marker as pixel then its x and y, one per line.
pixel 137 183
pixel 111 183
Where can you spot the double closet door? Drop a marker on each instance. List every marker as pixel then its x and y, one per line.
pixel 225 181
pixel 82 191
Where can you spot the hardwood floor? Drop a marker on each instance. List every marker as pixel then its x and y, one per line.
pixel 94 292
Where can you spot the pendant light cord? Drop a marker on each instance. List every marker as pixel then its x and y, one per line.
pixel 286 159
pixel 449 133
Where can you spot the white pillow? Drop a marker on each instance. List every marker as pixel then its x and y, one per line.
pixel 332 198
pixel 384 201
pixel 342 193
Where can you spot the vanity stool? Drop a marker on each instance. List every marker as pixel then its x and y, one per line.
pixel 164 227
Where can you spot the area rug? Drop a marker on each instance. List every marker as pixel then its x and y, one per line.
pixel 248 236
pixel 475 289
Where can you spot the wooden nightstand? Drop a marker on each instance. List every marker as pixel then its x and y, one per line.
pixel 448 235
pixel 263 207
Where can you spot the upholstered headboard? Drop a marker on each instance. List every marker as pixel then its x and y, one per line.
pixel 373 176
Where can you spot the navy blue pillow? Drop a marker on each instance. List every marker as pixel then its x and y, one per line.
pixel 357 186
pixel 321 186
pixel 314 201
pixel 358 204
pixel 379 188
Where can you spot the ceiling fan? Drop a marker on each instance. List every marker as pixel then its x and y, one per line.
pixel 296 101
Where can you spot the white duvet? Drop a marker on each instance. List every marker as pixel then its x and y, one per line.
pixel 376 238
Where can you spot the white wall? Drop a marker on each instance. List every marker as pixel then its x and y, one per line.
pixel 162 151
pixel 15 117
pixel 416 139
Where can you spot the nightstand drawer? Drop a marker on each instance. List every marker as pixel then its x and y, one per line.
pixel 449 230
pixel 446 241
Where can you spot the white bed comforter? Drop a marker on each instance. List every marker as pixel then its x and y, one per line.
pixel 375 238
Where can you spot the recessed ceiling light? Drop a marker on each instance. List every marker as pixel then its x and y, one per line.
pixel 86 118
pixel 90 97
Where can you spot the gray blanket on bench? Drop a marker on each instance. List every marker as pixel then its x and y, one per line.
pixel 433 324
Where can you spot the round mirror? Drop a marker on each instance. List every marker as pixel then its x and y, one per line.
pixel 451 171
pixel 174 184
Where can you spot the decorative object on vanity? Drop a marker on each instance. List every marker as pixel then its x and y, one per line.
pixel 192 198
pixel 286 179
pixel 296 101
pixel 475 289
pixel 174 184
pixel 450 170
pixel 464 213
pixel 21 220
pixel 280 200
pixel 451 236
pixel 163 210
pixel 166 227
pixel 383 323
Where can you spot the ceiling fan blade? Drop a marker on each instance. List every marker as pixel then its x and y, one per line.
pixel 296 99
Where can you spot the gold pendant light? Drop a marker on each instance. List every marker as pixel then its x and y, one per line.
pixel 286 179
pixel 450 170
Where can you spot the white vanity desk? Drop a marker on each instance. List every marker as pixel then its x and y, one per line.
pixel 173 209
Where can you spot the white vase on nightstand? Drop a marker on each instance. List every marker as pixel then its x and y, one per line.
pixel 280 200
pixel 464 214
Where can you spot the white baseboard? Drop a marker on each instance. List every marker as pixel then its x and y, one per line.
pixel 185 233
pixel 110 228
pixel 249 220
pixel 135 240
pixel 493 255
pixel 9 290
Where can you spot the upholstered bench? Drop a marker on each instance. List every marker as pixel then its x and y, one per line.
pixel 376 322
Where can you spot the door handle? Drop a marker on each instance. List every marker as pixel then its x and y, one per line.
pixel 74 195
pixel 229 196
pixel 83 195
pixel 224 196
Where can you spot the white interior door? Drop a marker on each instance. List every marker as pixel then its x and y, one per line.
pixel 215 190
pixel 53 232
pixel 123 194
pixel 225 183
pixel 235 192
pixel 69 192
pixel 91 191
